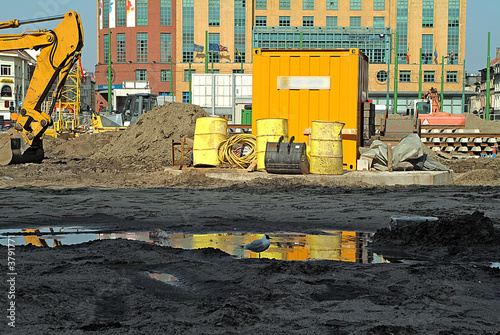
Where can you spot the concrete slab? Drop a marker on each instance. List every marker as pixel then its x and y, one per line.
pixel 374 178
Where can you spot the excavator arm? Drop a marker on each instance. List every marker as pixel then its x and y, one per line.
pixel 60 50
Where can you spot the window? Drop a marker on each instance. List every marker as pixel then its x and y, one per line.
pixel 308 4
pixel 382 76
pixel 5 70
pixel 120 48
pixel 378 4
pixel 142 47
pixel 166 13
pixel 355 21
pixel 214 13
pixel 331 4
pixel 238 71
pixel 6 91
pixel 213 71
pixel 451 77
pixel 427 45
pixel 331 21
pixel 185 97
pixel 105 48
pixel 284 4
pixel 402 28
pixel 187 30
pixel 239 30
pixel 213 38
pixel 379 21
pixel 165 75
pixel 429 77
pixel 284 21
pixel 428 14
pixel 141 75
pixel 355 4
pixel 142 12
pixel 105 16
pixel 308 21
pixel 186 74
pixel 120 13
pixel 261 21
pixel 453 29
pixel 165 47
pixel 261 4
pixel 404 76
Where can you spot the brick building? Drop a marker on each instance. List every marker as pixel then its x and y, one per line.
pixel 141 50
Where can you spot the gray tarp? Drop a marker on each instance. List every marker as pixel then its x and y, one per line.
pixel 406 156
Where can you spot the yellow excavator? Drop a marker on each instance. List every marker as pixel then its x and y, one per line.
pixel 60 49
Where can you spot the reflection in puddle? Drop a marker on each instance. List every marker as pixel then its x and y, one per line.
pixel 495 265
pixel 347 246
pixel 48 236
pixel 164 277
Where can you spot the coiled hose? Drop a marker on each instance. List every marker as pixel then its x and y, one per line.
pixel 230 151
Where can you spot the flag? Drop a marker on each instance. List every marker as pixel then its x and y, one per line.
pixel 237 52
pixel 435 55
pixel 213 47
pixel 407 59
pixel 198 48
pixel 222 48
pixel 452 54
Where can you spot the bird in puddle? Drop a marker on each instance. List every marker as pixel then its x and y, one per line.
pixel 260 245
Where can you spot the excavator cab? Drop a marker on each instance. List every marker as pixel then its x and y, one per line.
pixel 60 49
pixel 136 105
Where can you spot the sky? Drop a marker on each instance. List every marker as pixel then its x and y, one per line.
pixel 481 18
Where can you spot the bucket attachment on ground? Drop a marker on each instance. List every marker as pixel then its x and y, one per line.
pixel 16 149
pixel 286 158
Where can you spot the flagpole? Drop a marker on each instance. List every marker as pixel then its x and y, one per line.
pixel 190 82
pixel 463 91
pixel 396 78
pixel 206 51
pixel 388 71
pixel 420 77
pixel 487 111
pixel 171 79
pixel 442 81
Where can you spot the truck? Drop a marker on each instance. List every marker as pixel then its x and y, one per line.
pixel 60 49
pixel 431 115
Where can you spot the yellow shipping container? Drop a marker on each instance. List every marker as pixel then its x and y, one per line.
pixel 312 85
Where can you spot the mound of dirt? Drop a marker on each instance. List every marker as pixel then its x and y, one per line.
pixel 148 141
pixel 80 147
pixel 485 126
pixel 459 231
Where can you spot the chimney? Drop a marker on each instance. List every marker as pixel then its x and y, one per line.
pixel 498 52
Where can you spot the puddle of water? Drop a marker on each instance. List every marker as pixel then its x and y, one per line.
pixel 495 265
pixel 48 236
pixel 164 277
pixel 347 246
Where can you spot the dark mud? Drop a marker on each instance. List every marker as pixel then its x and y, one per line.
pixel 105 287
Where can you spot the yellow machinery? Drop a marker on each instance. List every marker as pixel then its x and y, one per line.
pixel 60 50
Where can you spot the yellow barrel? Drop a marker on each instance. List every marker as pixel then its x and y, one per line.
pixel 208 134
pixel 326 147
pixel 269 130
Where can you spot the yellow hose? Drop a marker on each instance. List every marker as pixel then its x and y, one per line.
pixel 226 150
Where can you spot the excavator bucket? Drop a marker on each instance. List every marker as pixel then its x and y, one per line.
pixel 15 149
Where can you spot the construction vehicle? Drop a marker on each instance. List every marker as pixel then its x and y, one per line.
pixel 395 127
pixel 60 49
pixel 430 114
pixel 133 107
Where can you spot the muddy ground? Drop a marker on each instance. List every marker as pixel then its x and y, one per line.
pixel 439 279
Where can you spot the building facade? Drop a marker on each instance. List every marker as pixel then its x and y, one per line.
pixel 429 30
pixel 16 71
